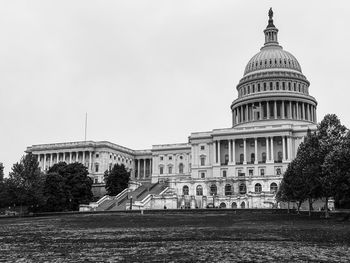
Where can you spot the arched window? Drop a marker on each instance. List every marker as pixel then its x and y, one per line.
pixel 181 168
pixel 222 205
pixel 252 157
pixel 228 189
pixel 234 205
pixel 170 169
pixel 263 157
pixel 185 190
pixel 202 160
pixel 161 170
pixel 241 158
pixel 226 159
pixel 213 189
pixel 199 190
pixel 257 188
pixel 279 156
pixel 273 187
pixel 242 205
pixel 242 189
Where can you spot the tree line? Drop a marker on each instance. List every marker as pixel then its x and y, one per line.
pixel 62 188
pixel 321 169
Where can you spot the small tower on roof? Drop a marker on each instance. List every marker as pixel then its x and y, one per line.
pixel 270 31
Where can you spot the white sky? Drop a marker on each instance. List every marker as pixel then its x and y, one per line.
pixel 151 72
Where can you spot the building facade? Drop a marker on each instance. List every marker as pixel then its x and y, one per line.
pixel 240 166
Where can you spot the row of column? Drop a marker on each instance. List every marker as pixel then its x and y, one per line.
pixel 286 150
pixel 276 109
pixel 46 160
pixel 143 168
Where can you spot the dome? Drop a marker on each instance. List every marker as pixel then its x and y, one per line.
pixel 272 57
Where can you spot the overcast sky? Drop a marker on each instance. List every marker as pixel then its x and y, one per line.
pixel 152 72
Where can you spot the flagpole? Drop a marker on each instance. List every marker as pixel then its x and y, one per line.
pixel 85 125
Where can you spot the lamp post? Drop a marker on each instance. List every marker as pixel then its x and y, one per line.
pixel 130 202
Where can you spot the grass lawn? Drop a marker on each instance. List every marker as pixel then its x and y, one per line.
pixel 175 237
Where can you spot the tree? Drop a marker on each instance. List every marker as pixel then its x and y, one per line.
pixel 117 179
pixel 67 186
pixel 1 172
pixel 25 182
pixel 331 134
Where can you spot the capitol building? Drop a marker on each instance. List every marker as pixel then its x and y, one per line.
pixel 236 167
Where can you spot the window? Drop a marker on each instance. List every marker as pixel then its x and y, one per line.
pixel 170 169
pixel 96 167
pixel 252 157
pixel 96 181
pixel 202 147
pixel 263 157
pixel 250 171
pixel 110 156
pixel 202 175
pixel 224 173
pixel 181 168
pixel 161 158
pixel 228 189
pixel 234 205
pixel 185 190
pixel 278 171
pixel 161 170
pixel 97 155
pixel 170 158
pixel 226 159
pixel 262 171
pixel 241 158
pixel 242 205
pixel 279 156
pixel 199 190
pixel 258 188
pixel 213 189
pixel 273 187
pixel 242 189
pixel 181 157
pixel 202 160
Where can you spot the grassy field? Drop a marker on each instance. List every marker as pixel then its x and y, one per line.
pixel 175 237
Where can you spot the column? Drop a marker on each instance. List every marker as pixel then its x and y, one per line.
pixel 229 151
pixel 139 168
pixel 309 112
pixel 215 153
pixel 241 110
pixel 51 157
pixel 150 167
pixel 233 151
pixel 297 110
pixel 315 114
pixel 44 167
pixel 290 110
pixel 70 157
pixel 256 150
pixel 246 112
pixel 303 110
pixel 282 111
pixel 245 150
pixel 90 160
pixel 283 149
pixel 260 111
pixel 275 109
pixel 144 167
pixel 83 157
pixel 233 117
pixel 219 157
pixel 267 150
pixel 272 153
pixel 267 110
pixel 289 139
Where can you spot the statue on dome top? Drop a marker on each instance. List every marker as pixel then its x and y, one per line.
pixel 270 13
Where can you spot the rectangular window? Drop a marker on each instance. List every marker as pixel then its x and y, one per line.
pixel 202 161
pixel 202 175
pixel 161 170
pixel 251 171
pixel 170 157
pixel 170 170
pixel 161 158
pixel 262 172
pixel 96 167
pixel 202 147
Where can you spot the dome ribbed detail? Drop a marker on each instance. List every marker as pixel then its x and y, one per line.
pixel 273 57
